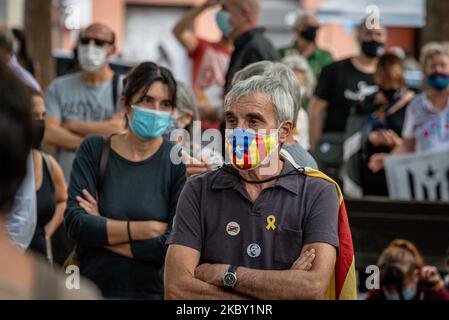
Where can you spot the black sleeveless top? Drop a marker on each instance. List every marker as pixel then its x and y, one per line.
pixel 46 206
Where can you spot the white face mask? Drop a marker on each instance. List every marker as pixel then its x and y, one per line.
pixel 91 58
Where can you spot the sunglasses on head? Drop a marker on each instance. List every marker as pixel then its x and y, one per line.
pixel 98 42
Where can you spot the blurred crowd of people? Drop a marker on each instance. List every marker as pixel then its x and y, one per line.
pixel 106 197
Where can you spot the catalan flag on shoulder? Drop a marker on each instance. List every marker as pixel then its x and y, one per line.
pixel 343 282
pixel 343 285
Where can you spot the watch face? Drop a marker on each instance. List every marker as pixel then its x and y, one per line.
pixel 229 280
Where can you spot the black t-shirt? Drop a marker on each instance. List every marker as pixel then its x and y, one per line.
pixel 250 47
pixel 345 88
pixel 131 191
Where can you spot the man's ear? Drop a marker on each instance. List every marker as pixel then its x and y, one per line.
pixel 113 50
pixel 285 130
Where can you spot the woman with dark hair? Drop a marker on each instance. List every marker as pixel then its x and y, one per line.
pixel 403 275
pixel 382 133
pixel 124 190
pixel 51 188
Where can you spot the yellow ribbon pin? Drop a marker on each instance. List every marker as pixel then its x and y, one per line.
pixel 271 220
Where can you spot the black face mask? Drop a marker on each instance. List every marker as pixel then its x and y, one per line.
pixel 309 34
pixel 38 133
pixel 372 48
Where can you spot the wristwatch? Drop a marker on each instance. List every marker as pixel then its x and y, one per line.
pixel 230 277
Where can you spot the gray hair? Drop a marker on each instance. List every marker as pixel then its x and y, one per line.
pixel 276 91
pixel 278 71
pixel 185 100
pixel 300 64
pixel 431 49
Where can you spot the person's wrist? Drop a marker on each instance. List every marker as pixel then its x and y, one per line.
pixel 229 279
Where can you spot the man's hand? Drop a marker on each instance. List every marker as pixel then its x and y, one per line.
pixel 194 166
pixel 384 137
pixel 211 273
pixel 193 170
pixel 305 261
pixel 88 203
pixel 431 277
pixel 376 162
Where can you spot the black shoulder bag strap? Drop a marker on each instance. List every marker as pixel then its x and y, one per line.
pixel 115 80
pixel 78 252
pixel 103 163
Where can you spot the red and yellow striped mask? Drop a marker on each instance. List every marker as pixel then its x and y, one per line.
pixel 248 150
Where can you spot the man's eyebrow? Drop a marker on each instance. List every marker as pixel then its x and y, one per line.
pixel 229 114
pixel 256 115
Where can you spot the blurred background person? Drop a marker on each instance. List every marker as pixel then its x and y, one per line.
pixel 307 82
pixel 184 116
pixel 426 124
pixel 344 88
pixel 382 132
pixel 21 221
pixel 22 276
pixel 86 102
pixel 8 55
pixel 22 55
pixel 250 44
pixel 51 188
pixel 210 60
pixel 185 111
pixel 306 28
pixel 404 276
pixel 124 191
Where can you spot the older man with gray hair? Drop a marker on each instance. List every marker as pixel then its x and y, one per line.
pixel 292 149
pixel 259 227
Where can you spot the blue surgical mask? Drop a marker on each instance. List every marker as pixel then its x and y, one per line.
pixel 438 81
pixel 149 124
pixel 408 294
pixel 223 19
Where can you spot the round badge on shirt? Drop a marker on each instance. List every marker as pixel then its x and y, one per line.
pixel 233 228
pixel 253 250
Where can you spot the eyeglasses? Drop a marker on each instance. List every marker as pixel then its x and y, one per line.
pixel 98 42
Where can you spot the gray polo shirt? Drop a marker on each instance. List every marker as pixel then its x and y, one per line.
pixel 216 216
pixel 69 98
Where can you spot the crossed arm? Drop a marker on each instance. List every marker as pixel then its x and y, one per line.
pixel 182 29
pixel 184 279
pixel 69 135
pixel 181 283
pixel 117 230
